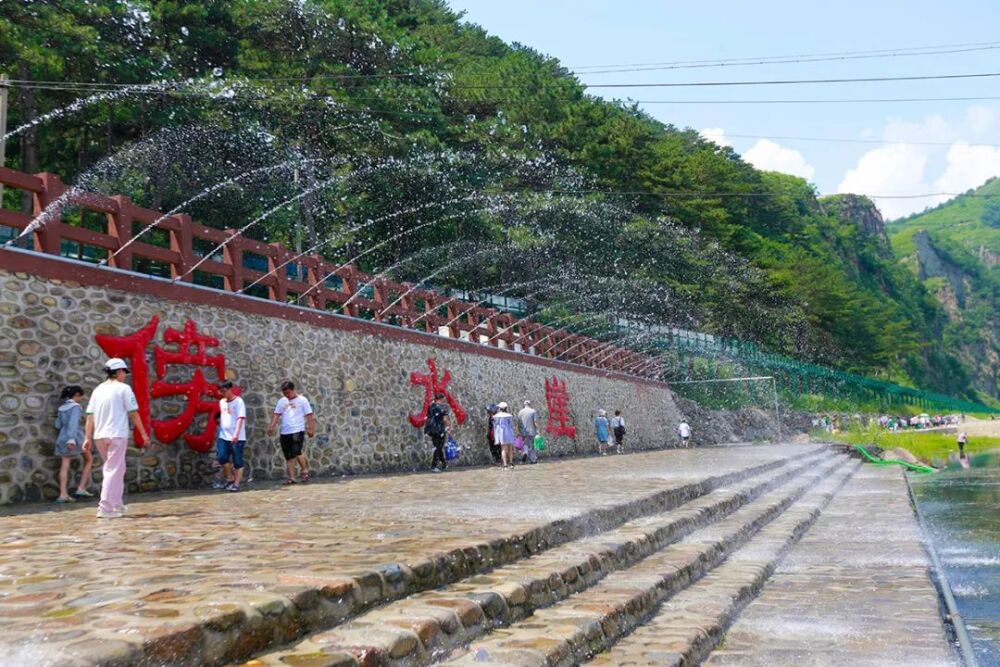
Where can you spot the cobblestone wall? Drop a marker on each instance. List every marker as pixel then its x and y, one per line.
pixel 358 383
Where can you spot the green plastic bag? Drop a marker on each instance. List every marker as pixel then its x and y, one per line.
pixel 539 443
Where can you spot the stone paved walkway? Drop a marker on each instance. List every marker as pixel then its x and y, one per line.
pixel 855 591
pixel 199 578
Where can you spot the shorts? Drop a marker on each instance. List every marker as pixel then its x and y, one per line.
pixel 64 450
pixel 291 444
pixel 227 452
pixel 619 434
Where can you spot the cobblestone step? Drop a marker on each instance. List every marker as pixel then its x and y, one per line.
pixel 414 630
pixel 591 621
pixel 687 627
pixel 277 579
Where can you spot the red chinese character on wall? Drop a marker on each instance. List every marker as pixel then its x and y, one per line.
pixel 557 400
pixel 201 396
pixel 190 351
pixel 133 348
pixel 432 385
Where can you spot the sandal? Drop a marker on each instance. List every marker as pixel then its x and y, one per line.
pixel 67 499
pixel 305 478
pixel 289 482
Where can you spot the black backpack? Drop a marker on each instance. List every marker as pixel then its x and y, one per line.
pixel 435 420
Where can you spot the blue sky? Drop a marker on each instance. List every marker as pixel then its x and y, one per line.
pixel 584 33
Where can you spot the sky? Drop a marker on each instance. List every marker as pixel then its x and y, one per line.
pixel 886 151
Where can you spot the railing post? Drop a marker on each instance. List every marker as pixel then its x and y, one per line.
pixel 120 228
pixel 232 256
pixel 316 270
pixel 181 242
pixel 48 236
pixel 279 291
pixel 349 284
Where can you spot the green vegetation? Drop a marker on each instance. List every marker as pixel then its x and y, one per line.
pixel 398 104
pixel 928 446
pixel 955 249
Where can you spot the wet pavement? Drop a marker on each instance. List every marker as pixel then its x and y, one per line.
pixel 195 578
pixel 855 591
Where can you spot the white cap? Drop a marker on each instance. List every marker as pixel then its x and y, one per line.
pixel 115 364
pixel 526 403
pixel 602 412
pixel 501 405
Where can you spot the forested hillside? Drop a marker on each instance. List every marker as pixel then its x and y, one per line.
pixel 955 250
pixel 392 130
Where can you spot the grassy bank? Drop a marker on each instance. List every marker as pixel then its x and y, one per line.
pixel 928 446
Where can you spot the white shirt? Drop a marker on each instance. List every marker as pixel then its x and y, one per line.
pixel 293 414
pixel 230 411
pixel 617 421
pixel 110 404
pixel 684 430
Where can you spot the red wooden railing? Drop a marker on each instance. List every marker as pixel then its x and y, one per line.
pixel 421 309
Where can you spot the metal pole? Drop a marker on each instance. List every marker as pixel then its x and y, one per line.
pixel 777 415
pixel 3 127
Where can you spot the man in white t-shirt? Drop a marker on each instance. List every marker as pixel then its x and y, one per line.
pixel 297 421
pixel 684 433
pixel 110 408
pixel 232 436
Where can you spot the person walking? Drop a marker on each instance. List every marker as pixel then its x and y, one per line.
pixel 527 427
pixel 69 444
pixel 437 426
pixel 111 406
pixel 297 421
pixel 684 432
pixel 602 431
pixel 963 438
pixel 618 429
pixel 232 436
pixel 491 410
pixel 503 434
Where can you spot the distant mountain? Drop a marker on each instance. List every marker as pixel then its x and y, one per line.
pixel 954 249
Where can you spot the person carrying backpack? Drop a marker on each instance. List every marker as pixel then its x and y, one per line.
pixel 437 426
pixel 618 429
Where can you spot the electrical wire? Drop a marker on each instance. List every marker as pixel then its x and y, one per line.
pixel 754 59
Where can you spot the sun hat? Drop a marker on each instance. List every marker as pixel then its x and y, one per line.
pixel 115 364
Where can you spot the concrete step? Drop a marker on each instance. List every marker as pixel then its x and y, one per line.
pixel 415 630
pixel 688 626
pixel 591 621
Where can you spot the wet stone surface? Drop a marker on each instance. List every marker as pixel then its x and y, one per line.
pixel 197 578
pixel 855 591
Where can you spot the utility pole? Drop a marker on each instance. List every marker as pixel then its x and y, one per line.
pixel 3 127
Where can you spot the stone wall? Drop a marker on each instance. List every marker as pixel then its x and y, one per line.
pixel 357 380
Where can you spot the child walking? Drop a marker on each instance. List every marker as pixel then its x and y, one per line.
pixel 69 444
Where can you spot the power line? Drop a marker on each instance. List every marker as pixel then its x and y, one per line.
pixel 793 60
pixel 667 84
pixel 766 82
pixel 707 194
pixel 730 61
pixel 139 89
pixel 856 141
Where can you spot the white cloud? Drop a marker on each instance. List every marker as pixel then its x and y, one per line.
pixel 968 167
pixel 903 168
pixel 769 156
pixel 897 169
pixel 716 134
